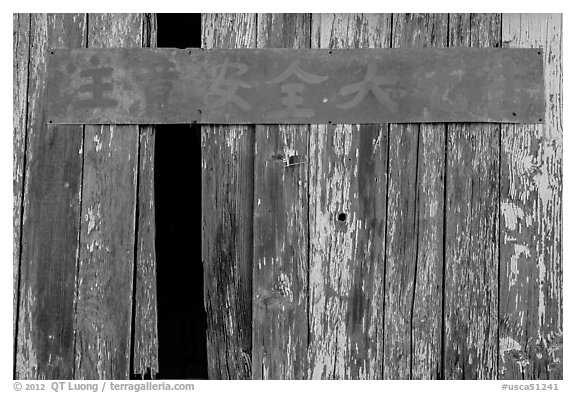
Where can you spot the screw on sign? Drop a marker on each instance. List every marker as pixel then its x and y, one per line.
pixel 294 86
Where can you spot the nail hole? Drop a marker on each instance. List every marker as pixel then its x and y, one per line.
pixel 51 52
pixel 330 52
pixel 513 113
pixel 539 119
pixel 189 52
pixel 539 52
pixel 342 217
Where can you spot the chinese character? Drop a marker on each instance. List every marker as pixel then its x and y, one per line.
pixel 158 82
pixel 225 89
pixel 293 100
pixel 380 86
pixel 97 86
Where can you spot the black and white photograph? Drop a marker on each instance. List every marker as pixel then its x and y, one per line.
pixel 287 196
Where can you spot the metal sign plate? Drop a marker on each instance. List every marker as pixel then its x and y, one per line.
pixel 299 86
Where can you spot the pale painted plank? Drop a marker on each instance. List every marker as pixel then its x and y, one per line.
pixel 531 287
pixel 280 302
pixel 347 175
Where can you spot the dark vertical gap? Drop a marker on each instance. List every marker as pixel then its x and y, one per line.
pixel 144 42
pixel 80 190
pixel 135 258
pixel 311 31
pixel 387 125
pixel 19 278
pixel 499 226
pixel 442 373
pixel 309 197
pixel 177 181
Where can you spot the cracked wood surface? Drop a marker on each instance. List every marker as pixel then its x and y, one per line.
pixel 403 251
pixel 531 330
pixel 51 216
pixel 107 235
pixel 412 321
pixel 471 255
pixel 145 339
pixel 347 182
pixel 227 216
pixel 280 298
pixel 21 60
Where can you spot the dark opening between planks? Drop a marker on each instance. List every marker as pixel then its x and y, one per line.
pixel 181 315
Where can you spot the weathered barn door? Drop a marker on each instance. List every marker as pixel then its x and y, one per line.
pixel 390 251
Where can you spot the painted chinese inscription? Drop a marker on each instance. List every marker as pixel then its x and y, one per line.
pixel 224 89
pixel 293 100
pixel 92 91
pixel 268 86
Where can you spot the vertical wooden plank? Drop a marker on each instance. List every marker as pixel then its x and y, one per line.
pixel 472 225
pixel 21 59
pixel 531 210
pixel 107 236
pixel 280 299
pixel 146 312
pixel 347 213
pixel 414 249
pixel 51 215
pixel 227 217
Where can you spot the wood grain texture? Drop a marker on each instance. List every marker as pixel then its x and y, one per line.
pixel 146 312
pixel 51 215
pixel 107 236
pixel 227 220
pixel 21 59
pixel 280 298
pixel 472 228
pixel 531 212
pixel 347 182
pixel 414 249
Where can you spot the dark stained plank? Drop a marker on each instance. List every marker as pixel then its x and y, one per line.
pixel 51 216
pixel 146 312
pixel 347 213
pixel 280 298
pixel 472 228
pixel 227 219
pixel 107 238
pixel 531 213
pixel 414 249
pixel 21 49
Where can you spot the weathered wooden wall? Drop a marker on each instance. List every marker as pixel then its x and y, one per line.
pixel 392 251
pixel 83 217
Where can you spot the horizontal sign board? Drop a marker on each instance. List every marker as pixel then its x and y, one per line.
pixel 297 86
